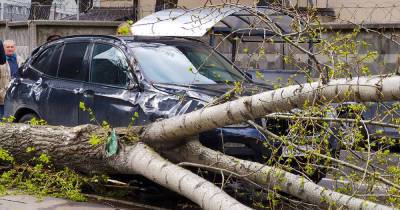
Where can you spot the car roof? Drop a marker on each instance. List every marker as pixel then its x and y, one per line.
pixel 108 38
pixel 120 40
pixel 230 20
pixel 162 39
pixel 84 38
pixel 124 38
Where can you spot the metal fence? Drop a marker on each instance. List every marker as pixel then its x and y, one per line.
pixel 16 11
pixel 344 10
pixel 356 11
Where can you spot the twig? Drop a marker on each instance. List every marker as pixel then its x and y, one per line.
pixel 122 187
pixel 130 203
pixel 117 182
pixel 370 122
pixel 12 200
pixel 382 179
pixel 223 98
pixel 238 176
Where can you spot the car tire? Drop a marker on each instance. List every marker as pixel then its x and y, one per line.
pixel 27 118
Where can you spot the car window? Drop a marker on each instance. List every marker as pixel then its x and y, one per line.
pixel 108 66
pixel 72 65
pixel 174 64
pixel 47 62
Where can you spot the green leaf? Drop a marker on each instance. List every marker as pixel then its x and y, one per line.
pixel 44 158
pixel 112 144
pixel 82 106
pixel 94 140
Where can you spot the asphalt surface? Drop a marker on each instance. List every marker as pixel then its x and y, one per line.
pixel 14 202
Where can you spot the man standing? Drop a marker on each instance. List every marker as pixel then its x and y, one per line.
pixel 9 70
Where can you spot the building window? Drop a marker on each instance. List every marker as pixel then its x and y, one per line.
pixel 268 2
pixel 165 4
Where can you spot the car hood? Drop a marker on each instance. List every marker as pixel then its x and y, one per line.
pixel 168 100
pixel 207 93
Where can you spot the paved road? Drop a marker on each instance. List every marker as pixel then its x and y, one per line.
pixel 22 202
pixel 14 202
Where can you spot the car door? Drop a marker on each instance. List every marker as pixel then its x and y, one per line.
pixel 108 94
pixel 62 104
pixel 31 92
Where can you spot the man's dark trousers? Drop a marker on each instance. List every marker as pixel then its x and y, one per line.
pixel 1 111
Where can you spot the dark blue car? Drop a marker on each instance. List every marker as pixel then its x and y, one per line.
pixel 120 78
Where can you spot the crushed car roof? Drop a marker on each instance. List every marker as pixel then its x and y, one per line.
pixel 197 22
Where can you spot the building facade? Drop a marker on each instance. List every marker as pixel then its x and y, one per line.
pixel 14 9
pixel 356 11
pixel 146 7
pixel 17 10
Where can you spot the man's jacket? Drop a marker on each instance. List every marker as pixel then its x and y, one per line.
pixel 5 77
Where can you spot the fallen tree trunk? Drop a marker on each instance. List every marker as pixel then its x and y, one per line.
pixel 360 89
pixel 70 147
pixel 270 177
pixel 140 159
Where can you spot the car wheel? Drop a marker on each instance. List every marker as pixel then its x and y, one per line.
pixel 27 118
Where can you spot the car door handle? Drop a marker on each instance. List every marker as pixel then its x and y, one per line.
pixel 17 81
pixel 88 93
pixel 78 90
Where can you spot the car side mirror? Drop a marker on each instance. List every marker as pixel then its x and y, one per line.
pixel 21 70
pixel 249 75
pixel 17 81
pixel 132 85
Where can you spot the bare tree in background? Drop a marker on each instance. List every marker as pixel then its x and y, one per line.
pixel 165 4
pixel 40 9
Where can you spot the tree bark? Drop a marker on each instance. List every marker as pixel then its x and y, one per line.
pixel 144 161
pixel 270 177
pixel 67 147
pixel 70 147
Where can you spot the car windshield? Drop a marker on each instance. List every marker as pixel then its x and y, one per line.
pixel 184 64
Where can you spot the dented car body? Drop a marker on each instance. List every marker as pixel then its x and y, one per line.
pixel 127 81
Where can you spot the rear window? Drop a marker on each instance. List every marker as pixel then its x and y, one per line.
pixel 72 65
